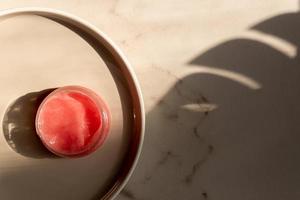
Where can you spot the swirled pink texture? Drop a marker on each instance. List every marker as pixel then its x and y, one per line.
pixel 70 122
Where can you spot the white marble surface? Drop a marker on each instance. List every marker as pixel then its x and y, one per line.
pixel 220 81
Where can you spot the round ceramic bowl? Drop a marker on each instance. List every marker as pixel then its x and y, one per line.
pixel 43 49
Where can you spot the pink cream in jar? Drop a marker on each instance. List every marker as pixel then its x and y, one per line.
pixel 72 121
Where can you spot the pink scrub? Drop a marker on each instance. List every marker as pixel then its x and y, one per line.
pixel 72 121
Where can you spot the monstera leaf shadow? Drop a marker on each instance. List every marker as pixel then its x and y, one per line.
pixel 242 140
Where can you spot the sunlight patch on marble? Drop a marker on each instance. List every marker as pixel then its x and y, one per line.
pixel 281 45
pixel 200 107
pixel 234 76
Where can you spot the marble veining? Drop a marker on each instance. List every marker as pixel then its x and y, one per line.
pixel 207 136
pixel 196 167
pixel 127 194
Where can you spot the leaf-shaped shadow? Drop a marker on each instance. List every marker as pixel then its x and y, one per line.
pixel 283 26
pixel 247 57
pixel 246 148
pixel 256 131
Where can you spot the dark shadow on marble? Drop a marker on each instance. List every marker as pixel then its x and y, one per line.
pixel 248 145
pixel 19 125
